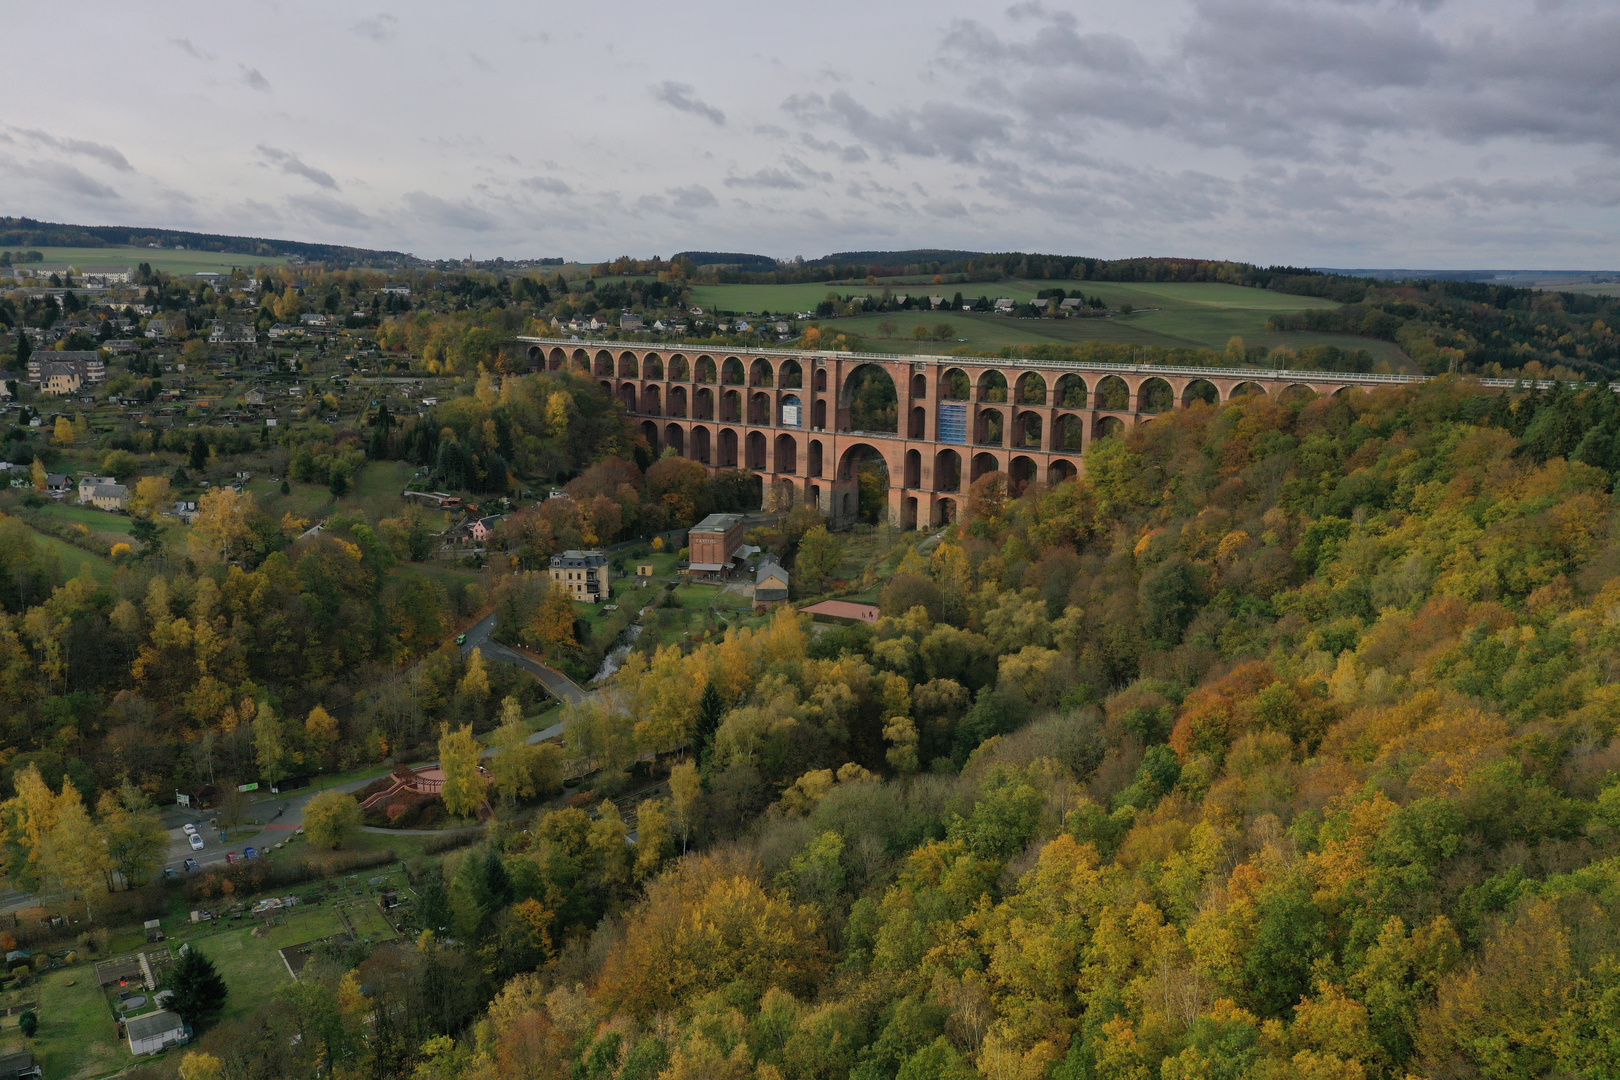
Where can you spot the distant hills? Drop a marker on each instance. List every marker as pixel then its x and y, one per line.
pixel 22 232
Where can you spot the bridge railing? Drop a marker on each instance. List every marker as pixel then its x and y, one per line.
pixel 1358 378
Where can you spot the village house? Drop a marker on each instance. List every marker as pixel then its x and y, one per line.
pixel 481 529
pixel 87 485
pixel 88 363
pixel 59 378
pixel 770 583
pixel 109 497
pixel 155 1032
pixel 585 574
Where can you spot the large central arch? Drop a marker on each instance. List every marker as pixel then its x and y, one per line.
pixel 873 403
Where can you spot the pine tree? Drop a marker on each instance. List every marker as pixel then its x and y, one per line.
pixel 199 989
pixel 711 710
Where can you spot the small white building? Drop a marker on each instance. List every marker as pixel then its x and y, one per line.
pixel 156 1032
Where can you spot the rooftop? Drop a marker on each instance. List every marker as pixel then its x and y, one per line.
pixel 144 1027
pixel 844 609
pixel 718 523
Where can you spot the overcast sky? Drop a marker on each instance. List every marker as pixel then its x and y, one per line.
pixel 1411 133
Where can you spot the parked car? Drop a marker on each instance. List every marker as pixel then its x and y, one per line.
pixel 230 857
pixel 188 828
pixel 196 842
pixel 461 639
pixel 191 866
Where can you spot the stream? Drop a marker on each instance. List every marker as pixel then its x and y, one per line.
pixel 616 655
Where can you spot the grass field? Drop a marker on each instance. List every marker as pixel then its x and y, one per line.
pixel 1171 315
pixel 77 1039
pixel 96 520
pixel 166 259
pixel 74 558
pixel 252 967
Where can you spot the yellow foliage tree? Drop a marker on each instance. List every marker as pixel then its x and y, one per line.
pixel 459 754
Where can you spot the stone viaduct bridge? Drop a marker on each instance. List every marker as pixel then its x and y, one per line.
pixel 786 414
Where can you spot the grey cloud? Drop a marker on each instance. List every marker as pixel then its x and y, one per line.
pixel 694 197
pixel 101 152
pixel 60 176
pixel 946 208
pixel 378 28
pixel 436 211
pixel 547 184
pixel 185 46
pixel 291 164
pixel 253 78
pixel 767 178
pixel 680 96
pixel 938 129
pixel 329 211
pixel 678 201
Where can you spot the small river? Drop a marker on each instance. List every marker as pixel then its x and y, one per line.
pixel 615 658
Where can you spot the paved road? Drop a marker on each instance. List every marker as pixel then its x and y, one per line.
pixel 283 814
pixel 560 685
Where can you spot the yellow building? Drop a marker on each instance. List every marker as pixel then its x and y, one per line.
pixel 585 574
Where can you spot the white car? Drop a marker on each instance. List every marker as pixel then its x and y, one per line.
pixel 196 841
pixel 189 829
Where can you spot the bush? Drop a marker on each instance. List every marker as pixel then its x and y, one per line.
pixel 28 1023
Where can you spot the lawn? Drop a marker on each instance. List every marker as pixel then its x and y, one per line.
pixel 75 558
pixel 167 259
pixel 76 1037
pixel 96 520
pixel 1170 315
pixel 252 967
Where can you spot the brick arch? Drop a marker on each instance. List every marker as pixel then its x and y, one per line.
pixel 702 445
pixel 1071 392
pixel 731 406
pixel 1243 389
pixel 731 371
pixel 855 451
pixel 705 370
pixel 627 396
pixel 1107 427
pixel 759 408
pixel 1296 392
pixel 604 363
pixel 679 369
pixel 791 375
pixel 1154 395
pixel 786 454
pixel 955 385
pixel 1060 470
pixel 761 373
pixel 677 401
pixel 703 404
pixel 1068 431
pixel 947 470
pixel 628 367
pixel 556 360
pixel 1112 393
pixel 651 400
pixel 649 431
pixel 729 449
pixel 1032 388
pixel 1028 430
pixel 1020 473
pixel 1199 390
pixel 755 446
pixel 675 438
pixel 652 366
pixel 993 387
pixel 983 464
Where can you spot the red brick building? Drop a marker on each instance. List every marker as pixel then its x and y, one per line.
pixel 713 541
